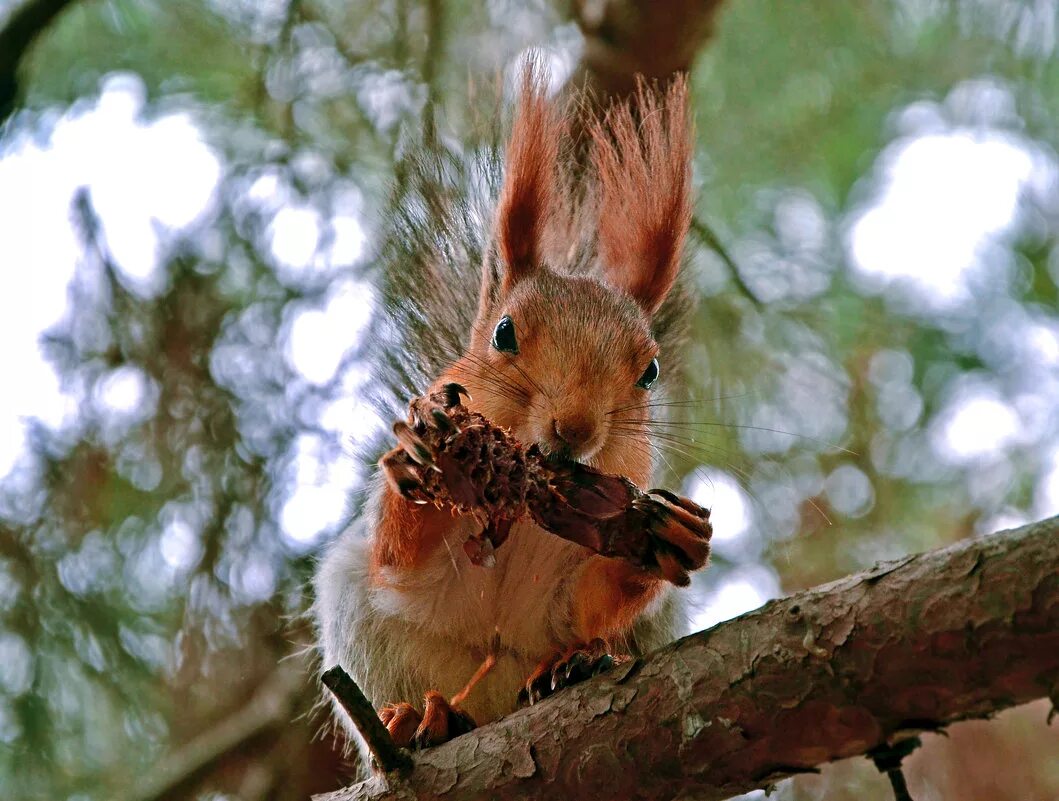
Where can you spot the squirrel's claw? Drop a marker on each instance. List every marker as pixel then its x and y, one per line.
pixel 428 412
pixel 564 669
pixel 449 394
pixel 671 569
pixel 421 446
pixel 687 505
pixel 441 722
pixel 443 422
pixel 402 476
pixel 580 664
pixel 402 721
pixel 536 688
pixel 412 444
pixel 681 530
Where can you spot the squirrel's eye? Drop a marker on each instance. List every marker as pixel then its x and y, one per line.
pixel 650 375
pixel 504 336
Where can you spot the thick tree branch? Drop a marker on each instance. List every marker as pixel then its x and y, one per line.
pixel 624 39
pixel 829 673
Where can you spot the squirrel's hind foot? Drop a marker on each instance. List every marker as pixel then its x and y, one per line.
pixel 439 723
pixel 560 670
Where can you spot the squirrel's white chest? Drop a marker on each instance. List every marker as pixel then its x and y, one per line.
pixel 526 597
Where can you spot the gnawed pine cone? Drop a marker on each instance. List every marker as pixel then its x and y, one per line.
pixel 448 454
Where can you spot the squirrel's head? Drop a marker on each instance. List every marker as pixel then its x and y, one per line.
pixel 562 351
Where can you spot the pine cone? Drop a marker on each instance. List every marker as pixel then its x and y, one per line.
pixel 450 455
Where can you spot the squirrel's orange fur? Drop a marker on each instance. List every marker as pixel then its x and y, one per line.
pixel 398 603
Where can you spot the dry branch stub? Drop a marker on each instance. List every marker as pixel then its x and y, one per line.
pixel 385 752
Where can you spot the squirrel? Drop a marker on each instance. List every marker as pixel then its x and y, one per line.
pixel 564 343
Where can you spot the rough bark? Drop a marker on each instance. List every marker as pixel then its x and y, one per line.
pixel 825 674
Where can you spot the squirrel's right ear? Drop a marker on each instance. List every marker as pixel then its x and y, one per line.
pixel 529 195
pixel 642 154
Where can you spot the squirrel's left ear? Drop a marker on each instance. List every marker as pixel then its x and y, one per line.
pixel 530 193
pixel 642 157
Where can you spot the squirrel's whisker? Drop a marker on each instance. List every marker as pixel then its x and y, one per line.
pixel 486 373
pixel 492 371
pixel 690 449
pixel 676 403
pixel 686 447
pixel 501 380
pixel 698 426
pixel 521 371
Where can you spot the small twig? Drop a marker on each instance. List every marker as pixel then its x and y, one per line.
pixel 888 760
pixel 709 238
pixel 1053 696
pixel 385 751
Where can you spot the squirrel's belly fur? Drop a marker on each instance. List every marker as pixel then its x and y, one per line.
pixel 400 632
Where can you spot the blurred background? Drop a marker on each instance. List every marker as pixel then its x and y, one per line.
pixel 192 195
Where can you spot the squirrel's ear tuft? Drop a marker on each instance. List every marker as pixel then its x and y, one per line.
pixel 642 156
pixel 530 191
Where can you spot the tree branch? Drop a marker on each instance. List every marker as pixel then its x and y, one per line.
pixel 709 237
pixel 833 672
pixel 655 39
pixel 626 38
pixel 270 708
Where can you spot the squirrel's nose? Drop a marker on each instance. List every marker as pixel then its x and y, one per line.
pixel 576 432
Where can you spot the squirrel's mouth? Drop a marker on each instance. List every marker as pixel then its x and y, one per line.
pixel 560 452
pixel 560 455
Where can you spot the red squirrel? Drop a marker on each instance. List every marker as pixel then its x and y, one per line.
pixel 575 314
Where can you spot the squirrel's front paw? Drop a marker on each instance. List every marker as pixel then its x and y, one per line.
pixel 660 532
pixel 439 723
pixel 657 531
pixel 680 532
pixel 412 467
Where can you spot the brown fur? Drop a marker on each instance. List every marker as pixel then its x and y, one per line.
pixel 530 185
pixel 608 598
pixel 407 532
pixel 643 162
